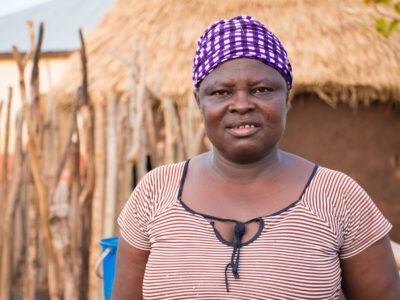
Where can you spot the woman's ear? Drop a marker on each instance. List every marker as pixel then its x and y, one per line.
pixel 288 101
pixel 196 96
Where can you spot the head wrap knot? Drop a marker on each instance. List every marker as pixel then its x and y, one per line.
pixel 240 36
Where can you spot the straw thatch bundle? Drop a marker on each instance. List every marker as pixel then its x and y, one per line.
pixel 334 49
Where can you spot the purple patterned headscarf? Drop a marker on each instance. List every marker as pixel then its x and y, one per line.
pixel 240 36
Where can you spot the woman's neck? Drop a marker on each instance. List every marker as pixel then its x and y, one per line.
pixel 231 171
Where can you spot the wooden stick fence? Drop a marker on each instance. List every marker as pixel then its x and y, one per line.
pixel 57 205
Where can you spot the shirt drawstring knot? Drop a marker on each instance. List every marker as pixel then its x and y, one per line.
pixel 240 229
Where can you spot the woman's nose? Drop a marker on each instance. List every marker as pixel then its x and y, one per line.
pixel 241 103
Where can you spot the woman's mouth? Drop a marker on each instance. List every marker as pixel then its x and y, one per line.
pixel 243 130
pixel 246 126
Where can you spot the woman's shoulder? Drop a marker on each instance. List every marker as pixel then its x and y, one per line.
pixel 337 188
pixel 166 171
pixel 329 177
pixel 159 186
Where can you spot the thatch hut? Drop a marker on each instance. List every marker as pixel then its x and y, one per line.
pixel 346 95
pixel 345 101
pixel 345 115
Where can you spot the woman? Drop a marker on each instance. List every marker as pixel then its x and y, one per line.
pixel 247 220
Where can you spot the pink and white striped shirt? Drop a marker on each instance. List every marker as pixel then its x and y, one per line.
pixel 295 255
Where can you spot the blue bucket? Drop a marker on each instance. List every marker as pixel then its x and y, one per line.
pixel 109 248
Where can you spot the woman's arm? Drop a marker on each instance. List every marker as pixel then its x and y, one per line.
pixel 129 272
pixel 371 274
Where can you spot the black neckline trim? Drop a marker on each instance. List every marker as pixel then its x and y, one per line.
pixel 231 244
pixel 182 183
pixel 259 219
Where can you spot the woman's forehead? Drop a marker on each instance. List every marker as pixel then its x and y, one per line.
pixel 252 71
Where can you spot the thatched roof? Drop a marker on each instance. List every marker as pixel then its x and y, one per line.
pixel 333 46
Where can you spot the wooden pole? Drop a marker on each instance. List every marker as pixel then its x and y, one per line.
pixel 123 133
pixel 29 250
pixel 111 184
pixel 50 132
pixel 12 200
pixel 194 134
pixel 95 291
pixel 140 135
pixel 5 151
pixel 31 266
pixel 137 152
pixel 151 147
pixel 32 146
pixel 75 222
pixel 86 113
pixel 5 226
pixel 63 226
pixel 1 109
pixel 174 148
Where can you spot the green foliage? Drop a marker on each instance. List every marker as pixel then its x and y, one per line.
pixel 386 25
pixel 397 7
pixel 378 1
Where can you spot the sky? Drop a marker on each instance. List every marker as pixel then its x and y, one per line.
pixel 10 6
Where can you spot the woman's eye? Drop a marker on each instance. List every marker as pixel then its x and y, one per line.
pixel 221 93
pixel 261 90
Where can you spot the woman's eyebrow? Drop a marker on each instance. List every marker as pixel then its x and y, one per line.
pixel 218 83
pixel 261 80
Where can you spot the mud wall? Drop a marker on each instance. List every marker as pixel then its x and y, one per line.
pixel 362 142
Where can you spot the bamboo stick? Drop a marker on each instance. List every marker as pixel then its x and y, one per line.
pixel 5 151
pixel 169 136
pixel 85 197
pixel 95 291
pixel 126 172
pixel 31 271
pixel 72 131
pixel 50 136
pixel 59 213
pixel 151 146
pixel 138 116
pixel 5 226
pixel 87 132
pixel 4 185
pixel 43 209
pixel 26 254
pixel 1 109
pixel 123 132
pixel 64 226
pixel 75 221
pixel 174 147
pixel 127 126
pixel 33 212
pixel 141 134
pixel 111 187
pixel 86 194
pixel 32 146
pixel 196 128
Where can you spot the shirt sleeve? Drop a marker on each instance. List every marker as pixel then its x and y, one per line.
pixel 135 216
pixel 364 224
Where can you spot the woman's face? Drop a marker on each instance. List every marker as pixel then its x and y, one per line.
pixel 244 104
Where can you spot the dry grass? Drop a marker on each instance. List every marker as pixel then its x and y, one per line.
pixel 333 46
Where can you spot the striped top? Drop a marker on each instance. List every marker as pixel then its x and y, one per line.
pixel 295 255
